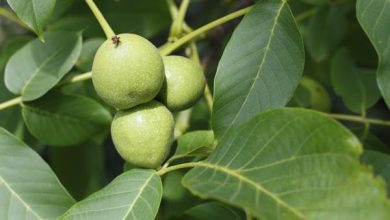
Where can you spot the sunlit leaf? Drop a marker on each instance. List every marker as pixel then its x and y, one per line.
pixel 260 67
pixel 44 64
pixel 291 164
pixel 28 187
pixel 35 13
pixel 133 195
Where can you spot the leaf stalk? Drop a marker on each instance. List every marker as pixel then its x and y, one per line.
pixel 102 21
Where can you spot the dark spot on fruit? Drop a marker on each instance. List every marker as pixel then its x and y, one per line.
pixel 115 40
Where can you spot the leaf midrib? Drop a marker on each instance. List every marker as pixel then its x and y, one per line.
pixel 138 195
pixel 13 193
pixel 251 182
pixel 260 66
pixel 40 67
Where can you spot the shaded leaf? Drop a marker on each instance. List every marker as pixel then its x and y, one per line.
pixel 84 88
pixel 128 166
pixel 260 67
pixel 63 120
pixel 87 55
pixel 61 7
pixel 380 163
pixel 195 143
pixel 176 198
pixel 316 2
pixel 8 49
pixel 10 118
pixel 301 98
pixel 28 187
pixel 372 142
pixel 325 31
pixel 173 189
pixel 146 18
pixel 200 116
pixel 212 211
pixel 374 17
pixel 356 86
pixel 83 174
pixel 135 194
pixel 35 13
pixel 311 94
pixel 44 64
pixel 291 164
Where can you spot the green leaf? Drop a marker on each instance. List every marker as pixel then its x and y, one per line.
pixel 316 2
pixel 135 194
pixel 311 94
pixel 212 211
pixel 9 48
pixel 325 31
pixel 356 86
pixel 291 164
pixel 200 116
pixel 35 13
pixel 173 189
pixel 380 163
pixel 195 143
pixel 147 18
pixel 371 141
pixel 83 174
pixel 176 198
pixel 61 7
pixel 301 98
pixel 87 55
pixel 260 67
pixel 44 64
pixel 63 120
pixel 374 17
pixel 28 188
pixel 10 118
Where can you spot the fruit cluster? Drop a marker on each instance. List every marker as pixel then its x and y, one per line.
pixel 128 73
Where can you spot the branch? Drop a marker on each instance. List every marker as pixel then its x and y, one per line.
pixel 102 21
pixel 10 103
pixel 191 36
pixel 18 100
pixel 359 119
pixel 166 170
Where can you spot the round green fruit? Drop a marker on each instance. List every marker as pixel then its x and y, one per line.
pixel 319 97
pixel 127 71
pixel 143 135
pixel 184 83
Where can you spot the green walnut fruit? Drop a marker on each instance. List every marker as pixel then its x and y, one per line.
pixel 143 135
pixel 184 83
pixel 319 97
pixel 127 71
